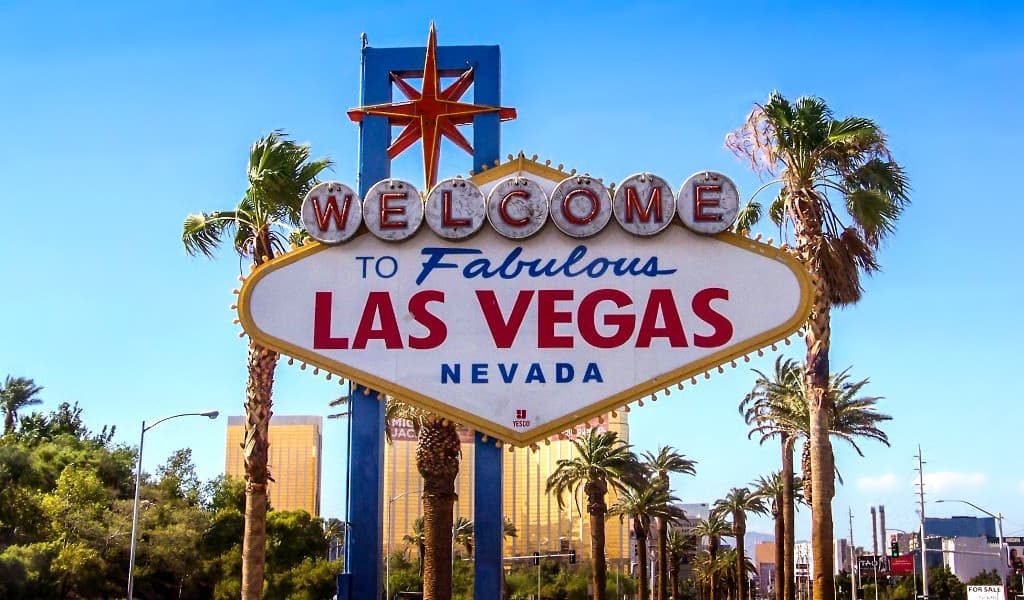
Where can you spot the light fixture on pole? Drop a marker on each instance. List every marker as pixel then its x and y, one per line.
pixel 999 519
pixel 212 414
pixel 391 532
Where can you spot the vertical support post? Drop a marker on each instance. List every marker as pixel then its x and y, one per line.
pixel 487 519
pixel 363 542
pixel 365 490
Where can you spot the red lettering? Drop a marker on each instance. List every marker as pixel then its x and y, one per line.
pixel 503 208
pixel 700 203
pixel 322 339
pixel 503 332
pixel 324 217
pixel 548 317
pixel 386 211
pixel 595 206
pixel 623 324
pixel 653 205
pixel 437 331
pixel 720 323
pixel 446 211
pixel 378 303
pixel 661 302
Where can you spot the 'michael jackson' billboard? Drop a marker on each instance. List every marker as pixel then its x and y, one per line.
pixel 523 300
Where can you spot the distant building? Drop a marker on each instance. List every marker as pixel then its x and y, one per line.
pixel 764 562
pixel 967 556
pixel 294 460
pixel 950 527
pixel 540 523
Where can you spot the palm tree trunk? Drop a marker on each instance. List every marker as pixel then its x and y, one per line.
pixel 713 554
pixel 780 541
pixel 822 470
pixel 808 230
pixel 597 510
pixel 255 447
pixel 641 556
pixel 437 459
pixel 787 575
pixel 741 572
pixel 661 574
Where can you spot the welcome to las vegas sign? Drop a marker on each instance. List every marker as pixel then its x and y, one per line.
pixel 523 300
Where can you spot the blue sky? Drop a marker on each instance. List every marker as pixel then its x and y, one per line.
pixel 122 118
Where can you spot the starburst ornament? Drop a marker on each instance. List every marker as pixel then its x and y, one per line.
pixel 430 113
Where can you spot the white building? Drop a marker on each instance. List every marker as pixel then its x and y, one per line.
pixel 967 556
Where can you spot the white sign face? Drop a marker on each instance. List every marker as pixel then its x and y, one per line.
pixel 985 592
pixel 523 339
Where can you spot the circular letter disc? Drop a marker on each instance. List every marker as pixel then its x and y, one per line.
pixel 455 209
pixel 580 206
pixel 708 203
pixel 331 212
pixel 517 207
pixel 644 204
pixel 392 210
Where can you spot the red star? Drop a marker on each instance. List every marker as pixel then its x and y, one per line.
pixel 430 113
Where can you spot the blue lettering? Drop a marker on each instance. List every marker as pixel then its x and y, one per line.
pixel 479 373
pixel 564 372
pixel 593 374
pixel 434 260
pixel 535 374
pixel 451 373
pixel 510 267
pixel 508 373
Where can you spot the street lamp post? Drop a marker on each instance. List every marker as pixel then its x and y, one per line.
pixel 1003 555
pixel 212 414
pixel 999 519
pixel 391 533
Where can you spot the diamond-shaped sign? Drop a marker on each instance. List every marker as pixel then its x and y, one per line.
pixel 521 339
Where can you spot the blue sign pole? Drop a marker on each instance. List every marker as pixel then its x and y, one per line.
pixel 366 422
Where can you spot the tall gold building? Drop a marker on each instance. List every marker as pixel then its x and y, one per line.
pixel 294 461
pixel 541 525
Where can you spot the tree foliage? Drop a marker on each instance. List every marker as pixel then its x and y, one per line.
pixel 66 497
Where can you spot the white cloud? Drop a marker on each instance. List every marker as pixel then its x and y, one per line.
pixel 942 481
pixel 882 483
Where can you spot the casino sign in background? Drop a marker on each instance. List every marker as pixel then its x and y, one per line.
pixel 524 299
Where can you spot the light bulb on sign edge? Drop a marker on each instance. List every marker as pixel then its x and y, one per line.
pixel 316 370
pixel 291 361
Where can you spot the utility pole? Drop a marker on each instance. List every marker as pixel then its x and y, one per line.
pixel 853 561
pixel 924 550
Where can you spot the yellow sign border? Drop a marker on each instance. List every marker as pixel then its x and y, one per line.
pixel 687 371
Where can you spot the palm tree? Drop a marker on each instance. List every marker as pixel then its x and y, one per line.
pixel 280 173
pixel 712 528
pixel 666 461
pixel 768 408
pixel 644 500
pixel 819 158
pixel 738 502
pixel 438 452
pixel 416 538
pixel 462 534
pixel 679 545
pixel 733 569
pixel 16 394
pixel 602 462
